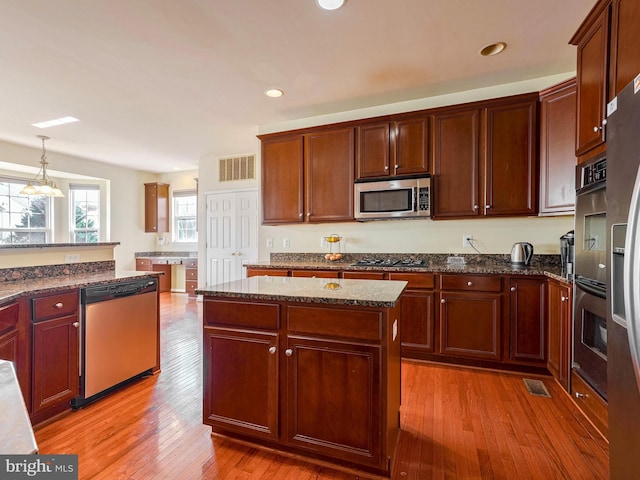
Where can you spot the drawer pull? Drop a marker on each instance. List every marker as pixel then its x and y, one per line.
pixel 59 305
pixel 469 284
pixel 272 350
pixel 288 352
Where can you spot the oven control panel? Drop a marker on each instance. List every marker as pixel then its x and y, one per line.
pixel 593 173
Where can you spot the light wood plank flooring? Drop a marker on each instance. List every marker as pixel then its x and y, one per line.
pixel 457 423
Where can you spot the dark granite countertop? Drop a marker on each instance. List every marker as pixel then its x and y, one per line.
pixel 166 255
pixel 438 264
pixel 368 293
pixel 36 286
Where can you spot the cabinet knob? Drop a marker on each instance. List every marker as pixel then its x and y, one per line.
pixel 386 167
pixel 308 214
pixel 475 207
pixel 59 305
pixel 442 301
pixel 300 215
pixel 581 395
pixel 397 166
pixel 272 350
pixel 563 299
pixel 288 352
pixel 469 284
pixel 513 289
pixel 76 324
pixel 487 207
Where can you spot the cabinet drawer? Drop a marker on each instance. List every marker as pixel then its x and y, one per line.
pixel 593 406
pixel 8 317
pixel 55 305
pixel 191 286
pixel 241 314
pixel 483 283
pixel 190 263
pixel 143 264
pixel 271 272
pixel 315 273
pixel 364 275
pixel 348 323
pixel 191 273
pixel 416 280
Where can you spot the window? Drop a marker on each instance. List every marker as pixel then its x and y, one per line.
pixel 185 218
pixel 85 213
pixel 23 218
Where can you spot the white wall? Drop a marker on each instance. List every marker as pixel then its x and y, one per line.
pixel 125 207
pixel 419 236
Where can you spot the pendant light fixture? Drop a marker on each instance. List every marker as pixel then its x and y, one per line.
pixel 41 183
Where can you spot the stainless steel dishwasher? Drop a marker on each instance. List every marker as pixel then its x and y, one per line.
pixel 119 335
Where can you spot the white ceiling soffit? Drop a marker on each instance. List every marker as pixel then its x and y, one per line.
pixel 157 84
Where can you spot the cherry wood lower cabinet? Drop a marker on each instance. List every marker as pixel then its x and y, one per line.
pixel 55 364
pixel 527 325
pixel 559 314
pixel 471 316
pixel 312 379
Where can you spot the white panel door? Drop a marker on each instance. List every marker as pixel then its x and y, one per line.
pixel 232 235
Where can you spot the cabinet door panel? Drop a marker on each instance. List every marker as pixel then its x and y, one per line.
pixel 55 362
pixel 559 336
pixel 416 327
pixel 373 151
pixel 456 164
pixel 282 180
pixel 527 323
pixel 510 183
pixel 411 146
pixel 329 174
pixel 9 346
pixel 333 398
pixel 470 325
pixel 625 45
pixel 592 85
pixel 241 381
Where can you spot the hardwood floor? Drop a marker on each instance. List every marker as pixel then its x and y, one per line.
pixel 457 423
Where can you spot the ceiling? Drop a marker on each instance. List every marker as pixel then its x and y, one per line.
pixel 157 84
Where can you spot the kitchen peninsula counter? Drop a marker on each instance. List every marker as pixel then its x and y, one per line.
pixel 306 366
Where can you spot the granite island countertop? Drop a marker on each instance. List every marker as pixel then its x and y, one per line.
pixel 16 289
pixel 371 293
pixel 16 432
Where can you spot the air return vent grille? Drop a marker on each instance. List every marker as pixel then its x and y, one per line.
pixel 237 168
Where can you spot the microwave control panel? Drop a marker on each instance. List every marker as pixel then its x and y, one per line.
pixel 423 199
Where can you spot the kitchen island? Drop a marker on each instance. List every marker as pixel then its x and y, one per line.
pixel 306 366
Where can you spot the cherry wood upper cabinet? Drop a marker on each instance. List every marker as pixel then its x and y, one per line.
pixel 393 148
pixel 283 180
pixel 625 44
pixel 592 41
pixel 557 149
pixel 329 157
pixel 455 182
pixel 510 159
pixel 485 159
pixel 156 207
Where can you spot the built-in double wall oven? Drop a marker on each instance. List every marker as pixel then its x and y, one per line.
pixel 590 305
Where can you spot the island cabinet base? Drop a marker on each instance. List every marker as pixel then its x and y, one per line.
pixel 317 380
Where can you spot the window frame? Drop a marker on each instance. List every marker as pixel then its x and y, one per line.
pixel 73 230
pixel 175 195
pixel 47 230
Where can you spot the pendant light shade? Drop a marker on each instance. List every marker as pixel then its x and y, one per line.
pixel 41 183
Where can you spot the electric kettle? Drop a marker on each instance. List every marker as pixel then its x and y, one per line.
pixel 521 253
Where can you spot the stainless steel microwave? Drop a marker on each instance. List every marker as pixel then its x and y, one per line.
pixel 389 199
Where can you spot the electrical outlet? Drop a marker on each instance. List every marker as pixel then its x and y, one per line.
pixel 71 258
pixel 466 240
pixel 286 243
pixel 269 242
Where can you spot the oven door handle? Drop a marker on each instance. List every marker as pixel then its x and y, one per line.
pixel 585 287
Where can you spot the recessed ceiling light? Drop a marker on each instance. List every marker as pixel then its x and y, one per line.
pixel 55 122
pixel 330 4
pixel 493 49
pixel 274 93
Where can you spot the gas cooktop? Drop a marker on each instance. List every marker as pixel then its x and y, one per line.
pixel 388 262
